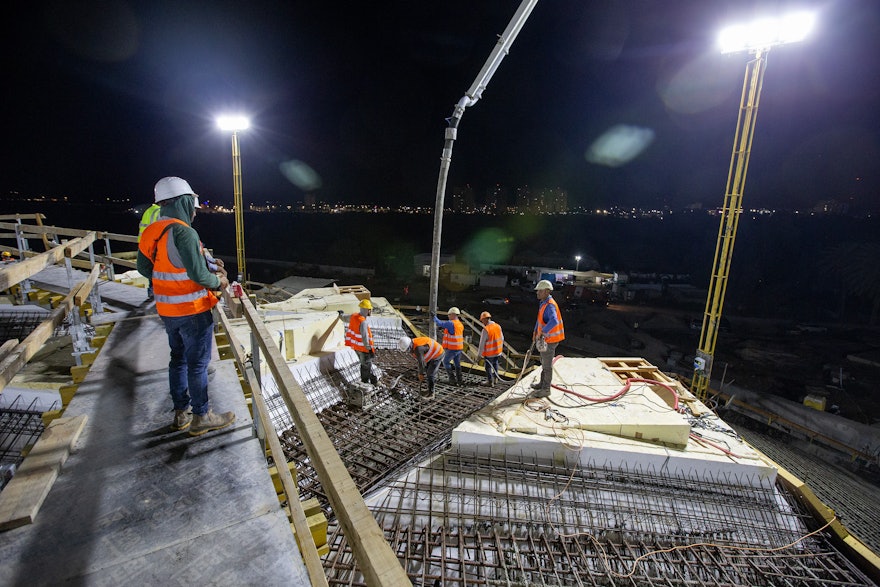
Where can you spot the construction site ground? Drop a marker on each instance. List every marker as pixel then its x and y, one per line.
pixel 776 357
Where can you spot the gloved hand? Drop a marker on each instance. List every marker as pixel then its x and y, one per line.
pixel 432 314
pixel 421 377
pixel 341 313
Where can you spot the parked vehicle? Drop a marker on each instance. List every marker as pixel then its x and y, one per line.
pixel 496 301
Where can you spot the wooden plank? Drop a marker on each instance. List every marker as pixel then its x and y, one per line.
pixel 308 550
pixel 7 347
pixel 22 498
pixel 13 273
pixel 82 292
pixel 377 561
pixel 26 349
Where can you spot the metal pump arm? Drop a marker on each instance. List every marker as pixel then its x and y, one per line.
pixel 469 99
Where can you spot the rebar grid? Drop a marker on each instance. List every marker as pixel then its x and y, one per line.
pixel 19 324
pixel 400 427
pixel 515 521
pixel 20 426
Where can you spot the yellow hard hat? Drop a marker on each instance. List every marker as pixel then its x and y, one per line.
pixel 544 284
pixel 454 310
pixel 366 304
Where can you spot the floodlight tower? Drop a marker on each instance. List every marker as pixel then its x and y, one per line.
pixel 757 38
pixel 235 124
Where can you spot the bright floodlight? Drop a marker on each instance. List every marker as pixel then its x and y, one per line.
pixel 766 32
pixel 233 123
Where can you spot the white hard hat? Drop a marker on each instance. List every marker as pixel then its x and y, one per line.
pixel 171 187
pixel 454 310
pixel 544 284
pixel 404 343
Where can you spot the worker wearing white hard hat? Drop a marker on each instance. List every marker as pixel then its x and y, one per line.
pixel 359 337
pixel 171 255
pixel 548 333
pixel 491 346
pixel 453 344
pixel 428 353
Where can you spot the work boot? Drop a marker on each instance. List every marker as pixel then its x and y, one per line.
pixel 540 392
pixel 182 419
pixel 374 380
pixel 536 385
pixel 210 421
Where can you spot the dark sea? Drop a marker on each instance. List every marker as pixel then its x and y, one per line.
pixel 780 261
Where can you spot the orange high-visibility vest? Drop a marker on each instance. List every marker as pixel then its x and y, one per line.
pixel 558 332
pixel 354 338
pixel 455 341
pixel 494 340
pixel 434 349
pixel 175 293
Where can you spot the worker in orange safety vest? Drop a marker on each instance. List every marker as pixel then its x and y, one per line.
pixel 171 255
pixel 360 338
pixel 548 333
pixel 428 353
pixel 491 345
pixel 453 344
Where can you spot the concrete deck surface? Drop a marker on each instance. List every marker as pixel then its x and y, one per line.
pixel 138 504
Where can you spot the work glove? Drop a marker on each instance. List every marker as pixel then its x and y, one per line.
pixel 421 377
pixel 341 313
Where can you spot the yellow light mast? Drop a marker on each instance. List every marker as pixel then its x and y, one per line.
pixel 757 38
pixel 235 124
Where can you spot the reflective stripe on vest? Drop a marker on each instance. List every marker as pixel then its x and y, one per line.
pixel 175 293
pixel 454 342
pixel 494 340
pixel 354 333
pixel 434 349
pixel 557 334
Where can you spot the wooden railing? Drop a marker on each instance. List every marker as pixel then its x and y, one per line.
pixel 376 560
pixel 13 358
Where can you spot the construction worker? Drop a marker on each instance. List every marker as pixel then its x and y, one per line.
pixel 548 333
pixel 491 345
pixel 453 344
pixel 428 353
pixel 360 338
pixel 7 257
pixel 170 253
pixel 151 214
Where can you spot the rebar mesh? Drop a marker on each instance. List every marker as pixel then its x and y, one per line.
pixel 20 426
pixel 466 520
pixel 400 427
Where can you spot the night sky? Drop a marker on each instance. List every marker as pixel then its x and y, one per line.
pixel 348 100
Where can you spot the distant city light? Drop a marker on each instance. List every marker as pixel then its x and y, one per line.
pixel 766 32
pixel 233 122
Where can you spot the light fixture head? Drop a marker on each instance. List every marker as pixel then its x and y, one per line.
pixel 233 122
pixel 766 32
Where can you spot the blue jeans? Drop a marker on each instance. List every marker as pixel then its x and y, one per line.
pixel 491 367
pixel 190 339
pixel 452 364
